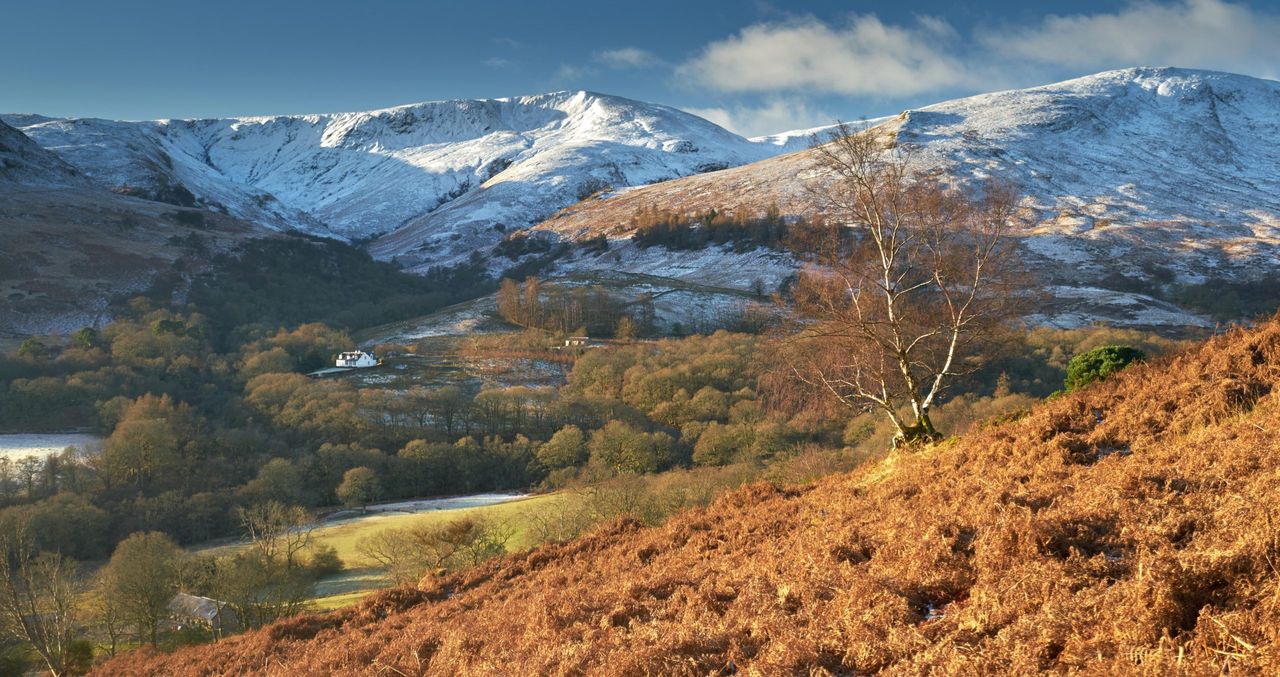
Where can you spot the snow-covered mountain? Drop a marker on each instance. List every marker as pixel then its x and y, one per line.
pixel 798 139
pixel 440 171
pixel 1137 173
pixel 67 245
pixel 1180 160
pixel 1132 174
pixel 25 165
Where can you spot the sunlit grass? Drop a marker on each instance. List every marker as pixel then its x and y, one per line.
pixel 348 587
pixel 344 536
pixel 361 577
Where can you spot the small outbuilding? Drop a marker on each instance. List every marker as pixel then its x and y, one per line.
pixel 577 342
pixel 186 611
pixel 356 359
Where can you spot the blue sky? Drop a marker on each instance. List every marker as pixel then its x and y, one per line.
pixel 755 67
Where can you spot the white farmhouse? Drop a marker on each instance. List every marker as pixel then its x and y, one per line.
pixel 356 359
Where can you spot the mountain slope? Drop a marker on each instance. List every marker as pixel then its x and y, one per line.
pixel 1135 179
pixel 1124 529
pixel 1144 172
pixel 23 163
pixel 69 245
pixel 512 161
pixel 799 139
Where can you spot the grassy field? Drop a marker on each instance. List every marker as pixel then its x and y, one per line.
pixel 360 577
pixel 349 587
pixel 344 535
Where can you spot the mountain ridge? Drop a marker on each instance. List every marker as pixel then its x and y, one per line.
pixel 1133 177
pixel 362 174
pixel 1137 174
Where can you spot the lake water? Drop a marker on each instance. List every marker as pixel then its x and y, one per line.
pixel 35 444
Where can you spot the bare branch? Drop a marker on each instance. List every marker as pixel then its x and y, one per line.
pixel 904 294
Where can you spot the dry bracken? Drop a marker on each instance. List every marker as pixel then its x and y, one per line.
pixel 1131 528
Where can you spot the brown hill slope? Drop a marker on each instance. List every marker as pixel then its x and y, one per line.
pixel 1130 528
pixel 67 253
pixel 780 180
pixel 67 246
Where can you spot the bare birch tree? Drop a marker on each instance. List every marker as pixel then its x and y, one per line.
pixel 910 276
pixel 39 596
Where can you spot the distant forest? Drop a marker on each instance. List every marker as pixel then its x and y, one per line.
pixel 741 228
pixel 289 281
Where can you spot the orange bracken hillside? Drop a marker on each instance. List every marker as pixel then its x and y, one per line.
pixel 1130 528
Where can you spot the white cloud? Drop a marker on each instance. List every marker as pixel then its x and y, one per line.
pixel 627 57
pixel 616 59
pixel 496 62
pixel 780 67
pixel 774 116
pixel 866 57
pixel 570 72
pixel 1192 33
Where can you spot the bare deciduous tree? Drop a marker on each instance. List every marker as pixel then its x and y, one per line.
pixel 39 594
pixel 903 288
pixel 260 589
pixel 560 521
pixel 142 578
pixel 279 531
pixel 411 552
pixel 108 610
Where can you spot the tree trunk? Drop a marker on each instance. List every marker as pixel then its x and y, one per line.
pixel 920 432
